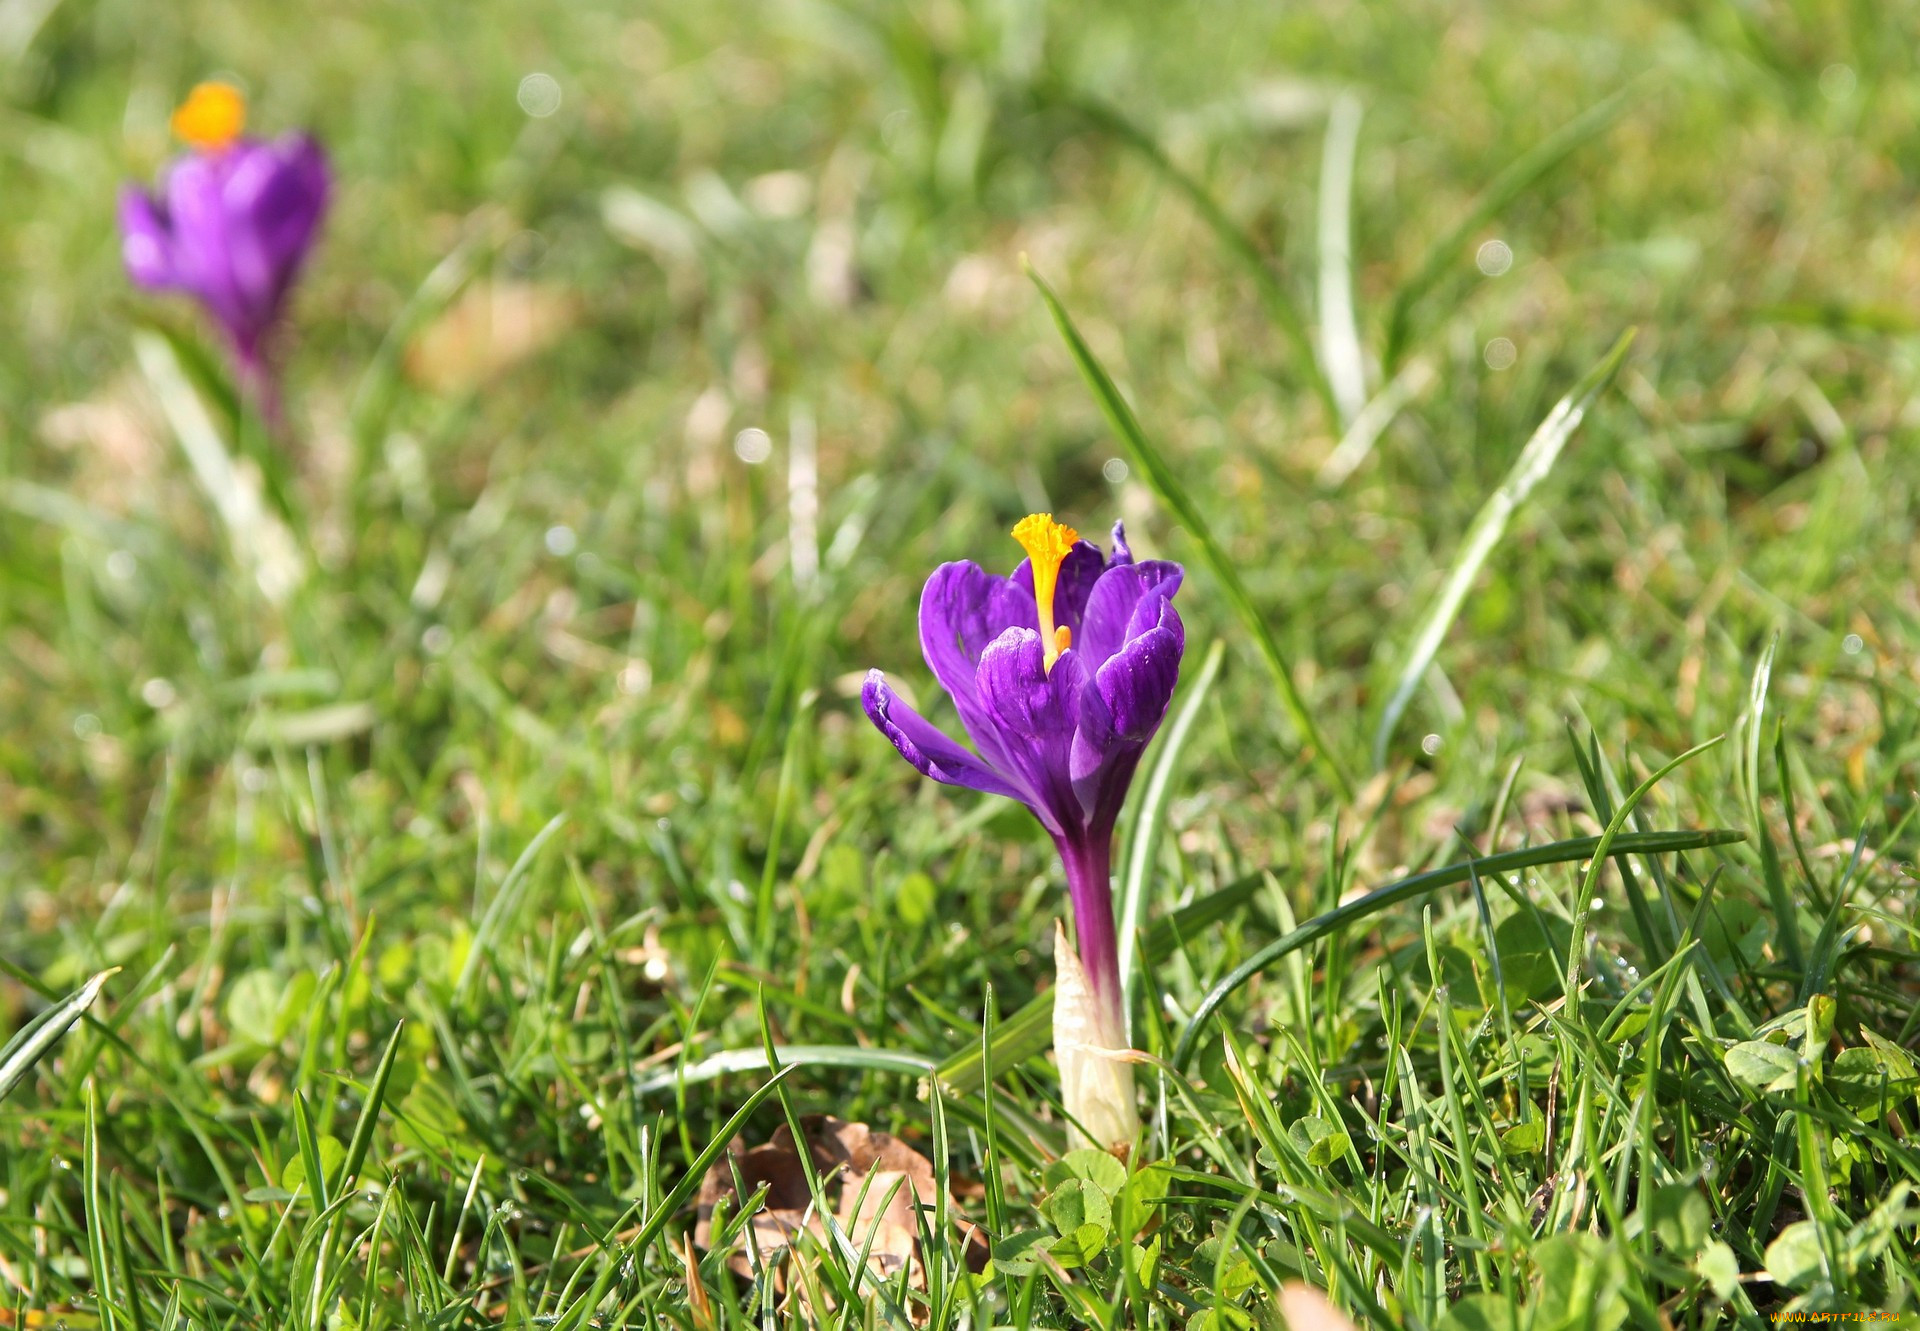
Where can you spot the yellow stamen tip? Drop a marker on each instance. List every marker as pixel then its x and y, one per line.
pixel 1046 543
pixel 212 116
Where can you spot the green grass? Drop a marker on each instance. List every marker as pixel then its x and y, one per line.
pixel 459 897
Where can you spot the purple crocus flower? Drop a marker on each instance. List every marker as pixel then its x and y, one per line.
pixel 230 223
pixel 1061 674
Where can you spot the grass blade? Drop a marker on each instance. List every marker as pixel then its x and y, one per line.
pixel 1280 306
pixel 1608 839
pixel 1340 353
pixel 1145 840
pixel 787 1056
pixel 504 902
pixel 38 1036
pixel 1489 525
pixel 1788 921
pixel 1166 483
pixel 260 542
pixel 1520 175
pixel 697 1169
pixel 1415 377
pixel 1404 889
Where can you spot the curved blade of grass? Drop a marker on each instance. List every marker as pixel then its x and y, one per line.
pixel 1489 525
pixel 788 1056
pixel 1131 909
pixel 41 1034
pixel 1166 483
pixel 1404 889
pixel 1590 883
pixel 1787 921
pixel 357 1148
pixel 1415 377
pixel 1280 306
pixel 1340 353
pixel 1521 174
pixel 236 418
pixel 503 903
pixel 261 544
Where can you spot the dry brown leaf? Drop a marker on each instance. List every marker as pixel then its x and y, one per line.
pixel 697 1301
pixel 490 329
pixel 118 444
pixel 1307 1309
pixel 783 1212
pixel 875 1181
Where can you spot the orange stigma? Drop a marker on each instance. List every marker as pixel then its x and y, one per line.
pixel 212 116
pixel 1047 543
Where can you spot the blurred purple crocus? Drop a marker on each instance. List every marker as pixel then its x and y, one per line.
pixel 230 224
pixel 1061 674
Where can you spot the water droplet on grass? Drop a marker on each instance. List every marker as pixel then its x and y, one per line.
pixel 1501 354
pixel 1494 258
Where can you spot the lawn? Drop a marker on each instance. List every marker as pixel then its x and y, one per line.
pixel 445 865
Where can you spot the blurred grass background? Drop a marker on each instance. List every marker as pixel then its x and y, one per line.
pixel 612 297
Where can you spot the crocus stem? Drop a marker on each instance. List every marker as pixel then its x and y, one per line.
pixel 1089 1021
pixel 258 382
pixel 1090 883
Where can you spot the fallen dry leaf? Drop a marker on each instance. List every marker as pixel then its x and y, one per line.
pixel 490 329
pixel 1307 1309
pixel 875 1182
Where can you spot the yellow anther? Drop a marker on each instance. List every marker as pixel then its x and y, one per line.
pixel 212 116
pixel 1046 543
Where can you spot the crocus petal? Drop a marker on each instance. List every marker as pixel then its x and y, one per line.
pixel 1035 710
pixel 238 224
pixel 1063 740
pixel 1121 592
pixel 963 609
pixel 1137 683
pixel 277 194
pixel 1026 699
pixel 203 239
pixel 1094 739
pixel 931 752
pixel 144 242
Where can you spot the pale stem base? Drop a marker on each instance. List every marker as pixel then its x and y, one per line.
pixel 1090 1046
